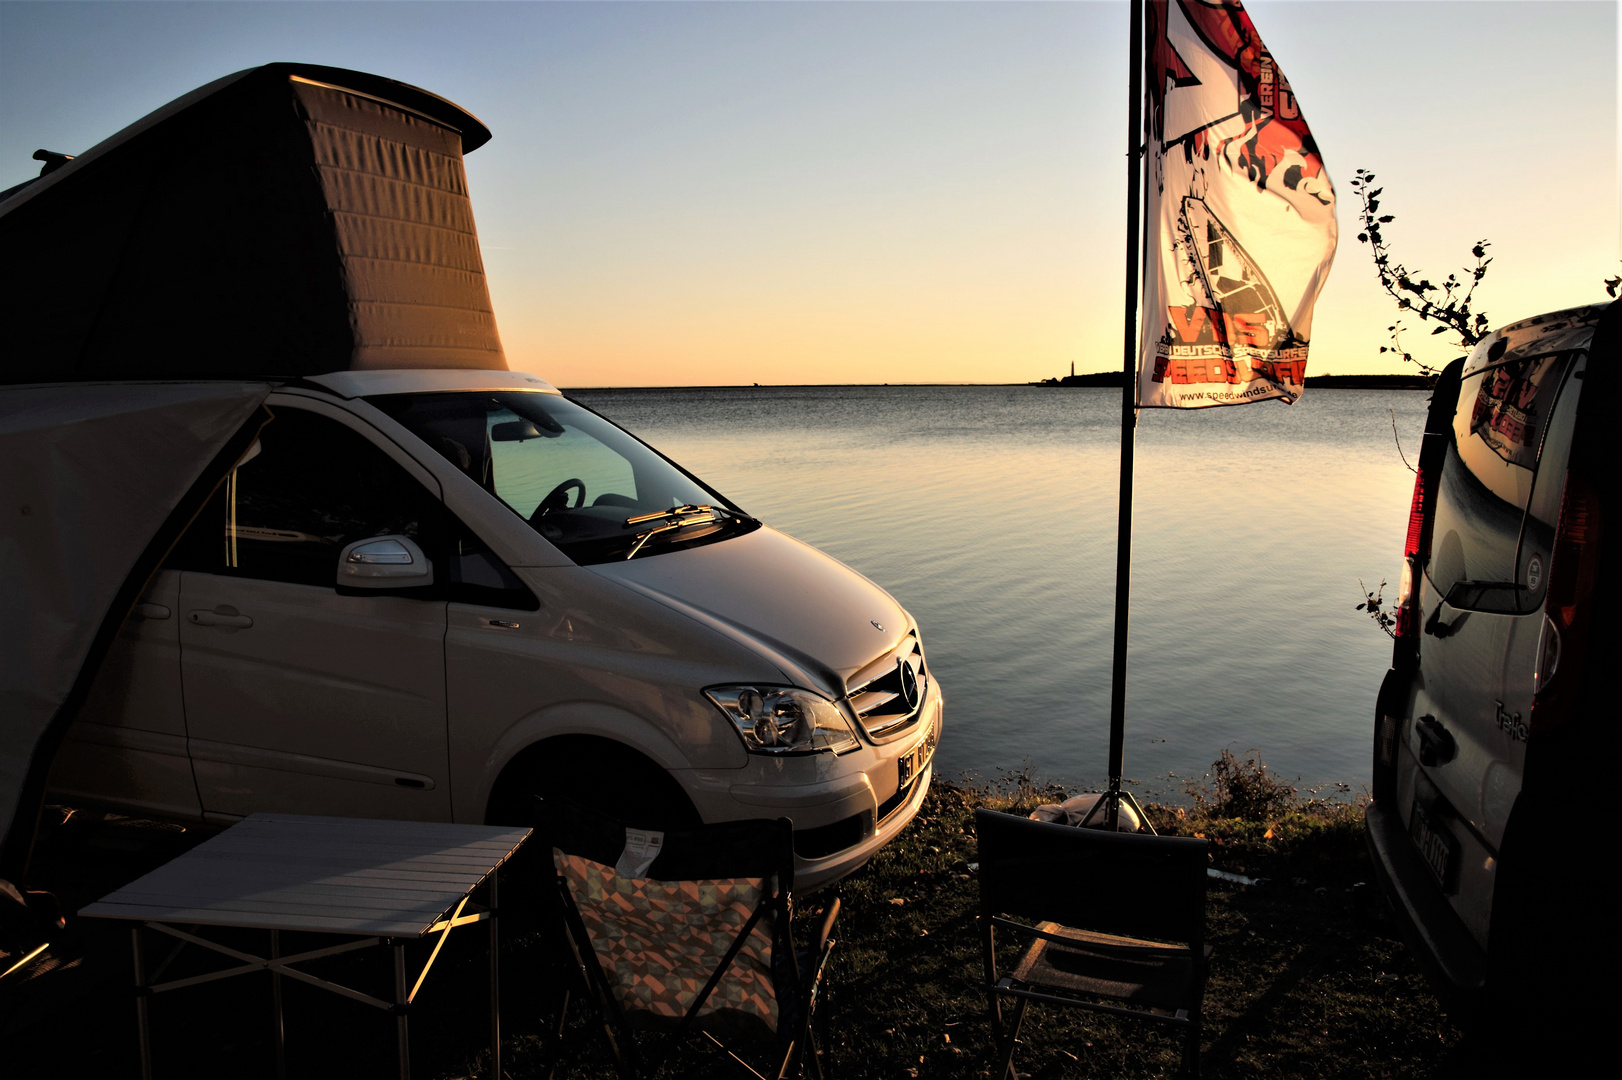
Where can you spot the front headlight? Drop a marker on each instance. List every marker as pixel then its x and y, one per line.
pixel 783 720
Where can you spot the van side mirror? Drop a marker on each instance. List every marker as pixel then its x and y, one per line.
pixel 384 562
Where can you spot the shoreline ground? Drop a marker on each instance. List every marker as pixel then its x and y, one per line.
pixel 1307 978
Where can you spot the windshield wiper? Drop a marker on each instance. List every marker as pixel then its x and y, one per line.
pixel 674 513
pixel 677 517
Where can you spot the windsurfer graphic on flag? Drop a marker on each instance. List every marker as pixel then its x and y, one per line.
pixel 1240 214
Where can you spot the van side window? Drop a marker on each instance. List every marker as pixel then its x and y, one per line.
pixel 313 487
pixel 1490 473
pixel 477 576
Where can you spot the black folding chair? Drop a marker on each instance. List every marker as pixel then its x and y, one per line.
pixel 1116 924
pixel 697 943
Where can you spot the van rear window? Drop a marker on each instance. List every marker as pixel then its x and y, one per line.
pixel 1490 474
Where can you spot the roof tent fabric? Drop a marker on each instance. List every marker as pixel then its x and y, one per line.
pixel 287 220
pixel 91 477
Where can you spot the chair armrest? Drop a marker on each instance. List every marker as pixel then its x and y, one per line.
pixel 826 928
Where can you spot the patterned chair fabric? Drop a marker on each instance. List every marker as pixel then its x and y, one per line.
pixel 685 938
pixel 659 942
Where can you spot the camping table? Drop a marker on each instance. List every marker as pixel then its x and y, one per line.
pixel 387 882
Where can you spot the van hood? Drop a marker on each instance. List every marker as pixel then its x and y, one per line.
pixel 788 596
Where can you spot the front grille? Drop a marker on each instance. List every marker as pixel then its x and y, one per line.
pixel 877 697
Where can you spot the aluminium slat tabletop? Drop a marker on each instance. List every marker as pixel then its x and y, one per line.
pixel 384 882
pixel 298 872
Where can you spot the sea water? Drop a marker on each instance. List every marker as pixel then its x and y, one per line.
pixel 989 512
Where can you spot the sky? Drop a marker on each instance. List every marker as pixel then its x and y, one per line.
pixel 783 193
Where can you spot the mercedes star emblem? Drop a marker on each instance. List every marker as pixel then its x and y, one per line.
pixel 909 683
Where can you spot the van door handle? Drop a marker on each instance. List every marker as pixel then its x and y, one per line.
pixel 148 610
pixel 221 616
pixel 1436 746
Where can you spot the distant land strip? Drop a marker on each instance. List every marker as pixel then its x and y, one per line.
pixel 1097 378
pixel 1315 382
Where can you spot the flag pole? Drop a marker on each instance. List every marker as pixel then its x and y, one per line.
pixel 1129 419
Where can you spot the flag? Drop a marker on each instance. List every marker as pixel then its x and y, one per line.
pixel 1240 215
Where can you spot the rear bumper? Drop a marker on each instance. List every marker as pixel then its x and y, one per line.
pixel 1456 965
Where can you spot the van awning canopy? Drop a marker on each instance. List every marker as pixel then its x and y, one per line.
pixel 287 220
pixel 97 480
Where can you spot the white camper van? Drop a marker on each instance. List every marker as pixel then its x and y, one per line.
pixel 430 594
pixel 342 561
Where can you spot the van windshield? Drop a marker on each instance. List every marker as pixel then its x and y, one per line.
pixel 587 486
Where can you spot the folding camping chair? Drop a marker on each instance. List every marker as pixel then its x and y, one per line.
pixel 694 943
pixel 1118 918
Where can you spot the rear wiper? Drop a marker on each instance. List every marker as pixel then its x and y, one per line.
pixel 677 517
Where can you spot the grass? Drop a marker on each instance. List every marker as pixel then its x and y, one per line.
pixel 1302 982
pixel 1306 979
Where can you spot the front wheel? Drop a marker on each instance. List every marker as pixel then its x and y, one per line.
pixel 598 774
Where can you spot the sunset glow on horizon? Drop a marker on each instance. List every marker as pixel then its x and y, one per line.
pixel 725 194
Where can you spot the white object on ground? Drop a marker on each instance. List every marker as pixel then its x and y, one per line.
pixel 1074 809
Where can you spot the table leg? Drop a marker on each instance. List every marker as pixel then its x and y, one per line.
pixel 276 1000
pixel 142 1037
pixel 402 1030
pixel 495 983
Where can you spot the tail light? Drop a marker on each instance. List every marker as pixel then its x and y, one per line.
pixel 1567 610
pixel 1415 553
pixel 1416 547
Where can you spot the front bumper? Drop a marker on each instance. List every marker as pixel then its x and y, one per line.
pixel 1456 965
pixel 843 808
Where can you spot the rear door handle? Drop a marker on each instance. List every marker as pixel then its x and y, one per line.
pixel 1436 745
pixel 227 618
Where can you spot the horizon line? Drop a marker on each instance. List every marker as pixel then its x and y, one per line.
pixel 1038 383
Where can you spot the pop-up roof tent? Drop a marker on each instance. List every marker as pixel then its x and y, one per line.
pixel 287 220
pixel 284 221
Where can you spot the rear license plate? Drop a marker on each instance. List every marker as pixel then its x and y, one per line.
pixel 917 759
pixel 1436 846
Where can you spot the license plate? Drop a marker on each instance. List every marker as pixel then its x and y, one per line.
pixel 1436 846
pixel 917 759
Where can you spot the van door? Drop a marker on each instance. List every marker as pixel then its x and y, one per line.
pixel 1497 500
pixel 301 697
pixel 126 748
